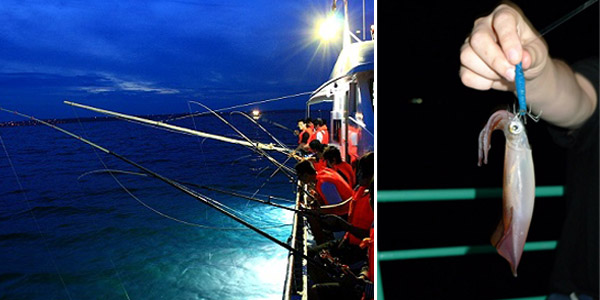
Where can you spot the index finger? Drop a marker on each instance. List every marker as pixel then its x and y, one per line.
pixel 505 23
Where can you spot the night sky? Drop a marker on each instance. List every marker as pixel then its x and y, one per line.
pixel 151 57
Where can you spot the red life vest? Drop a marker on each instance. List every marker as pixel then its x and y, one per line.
pixel 312 137
pixel 320 165
pixel 306 130
pixel 331 176
pixel 354 136
pixel 360 213
pixel 346 169
pixel 323 130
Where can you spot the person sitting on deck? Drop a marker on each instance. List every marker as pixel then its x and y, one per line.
pixel 321 133
pixel 356 248
pixel 330 188
pixel 328 194
pixel 303 134
pixel 334 161
pixel 317 159
pixel 360 217
pixel 310 125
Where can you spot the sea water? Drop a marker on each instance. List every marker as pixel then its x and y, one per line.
pixel 69 231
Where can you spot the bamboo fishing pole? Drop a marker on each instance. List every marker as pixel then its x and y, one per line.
pixel 261 127
pixel 178 186
pixel 268 147
pixel 287 171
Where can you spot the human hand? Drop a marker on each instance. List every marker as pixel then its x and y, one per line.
pixel 496 44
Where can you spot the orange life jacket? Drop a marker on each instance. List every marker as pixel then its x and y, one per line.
pixel 306 130
pixel 312 137
pixel 331 176
pixel 346 169
pixel 360 213
pixel 323 130
pixel 320 165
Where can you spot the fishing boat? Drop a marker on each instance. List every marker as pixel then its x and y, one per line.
pixel 350 90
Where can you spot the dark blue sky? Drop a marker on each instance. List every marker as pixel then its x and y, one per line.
pixel 145 57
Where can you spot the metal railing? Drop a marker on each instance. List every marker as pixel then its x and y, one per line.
pixel 394 196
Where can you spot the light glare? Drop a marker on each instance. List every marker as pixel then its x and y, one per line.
pixel 329 27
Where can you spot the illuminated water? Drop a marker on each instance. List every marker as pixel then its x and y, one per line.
pixel 67 238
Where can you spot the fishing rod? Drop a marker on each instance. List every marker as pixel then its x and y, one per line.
pixel 179 129
pixel 287 170
pixel 241 105
pixel 275 139
pixel 565 18
pixel 210 202
pixel 231 193
pixel 206 187
pixel 276 124
pixel 261 127
pixel 222 191
pixel 260 151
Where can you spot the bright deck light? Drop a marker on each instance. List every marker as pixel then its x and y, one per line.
pixel 329 27
pixel 256 114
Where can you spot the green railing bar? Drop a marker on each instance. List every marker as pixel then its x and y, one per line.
pixel 379 283
pixel 455 251
pixel 384 196
pixel 528 298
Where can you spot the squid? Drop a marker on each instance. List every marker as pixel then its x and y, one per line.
pixel 518 190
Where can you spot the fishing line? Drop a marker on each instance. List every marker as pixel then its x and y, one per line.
pixel 230 192
pixel 275 124
pixel 565 18
pixel 276 140
pixel 184 189
pixel 270 177
pixel 241 105
pixel 520 83
pixel 262 128
pixel 239 212
pixel 35 220
pixel 288 171
pixel 112 172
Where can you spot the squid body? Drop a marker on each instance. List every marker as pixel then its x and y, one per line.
pixel 518 186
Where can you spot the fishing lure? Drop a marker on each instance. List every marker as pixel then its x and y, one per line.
pixel 518 187
pixel 520 87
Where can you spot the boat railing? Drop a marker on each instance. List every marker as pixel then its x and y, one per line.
pixel 395 196
pixel 296 283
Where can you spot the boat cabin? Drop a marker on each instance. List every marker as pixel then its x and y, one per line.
pixel 350 89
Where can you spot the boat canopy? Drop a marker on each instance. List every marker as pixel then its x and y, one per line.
pixel 354 58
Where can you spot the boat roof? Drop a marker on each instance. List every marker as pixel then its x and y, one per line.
pixel 354 58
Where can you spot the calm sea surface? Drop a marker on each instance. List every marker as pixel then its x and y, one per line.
pixel 69 232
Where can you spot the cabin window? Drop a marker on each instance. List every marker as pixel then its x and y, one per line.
pixel 353 98
pixel 372 90
pixel 337 130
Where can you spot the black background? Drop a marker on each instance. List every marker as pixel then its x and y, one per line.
pixel 433 145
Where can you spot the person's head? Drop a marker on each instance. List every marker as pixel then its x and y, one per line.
pixel 306 172
pixel 316 146
pixel 309 122
pixel 301 124
pixel 319 122
pixel 332 155
pixel 365 169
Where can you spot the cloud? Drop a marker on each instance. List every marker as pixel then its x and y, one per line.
pixel 110 83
